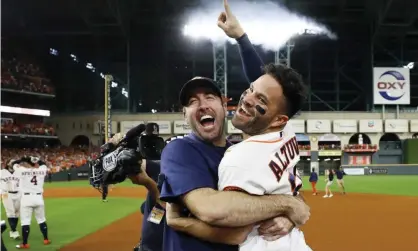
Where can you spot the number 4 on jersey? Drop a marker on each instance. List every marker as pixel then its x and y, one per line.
pixel 34 181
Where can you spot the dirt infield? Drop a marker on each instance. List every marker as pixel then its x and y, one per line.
pixel 360 222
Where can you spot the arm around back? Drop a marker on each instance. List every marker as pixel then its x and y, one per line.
pixel 189 180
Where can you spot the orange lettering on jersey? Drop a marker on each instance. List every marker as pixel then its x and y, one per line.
pixel 289 151
pixel 234 188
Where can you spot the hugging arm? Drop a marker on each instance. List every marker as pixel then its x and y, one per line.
pixel 204 231
pixel 189 181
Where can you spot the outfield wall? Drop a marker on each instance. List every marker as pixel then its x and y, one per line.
pixel 381 169
pixel 80 173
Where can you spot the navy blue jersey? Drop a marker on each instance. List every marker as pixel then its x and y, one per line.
pixel 340 174
pixel 151 233
pixel 313 177
pixel 188 164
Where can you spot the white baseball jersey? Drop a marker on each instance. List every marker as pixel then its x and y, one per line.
pixel 31 179
pixel 262 164
pixel 9 181
pixel 265 164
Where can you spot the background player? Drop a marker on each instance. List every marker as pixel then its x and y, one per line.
pixel 313 179
pixel 329 180
pixel 340 179
pixel 32 172
pixel 11 197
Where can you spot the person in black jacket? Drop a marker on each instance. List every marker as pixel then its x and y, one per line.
pixel 329 180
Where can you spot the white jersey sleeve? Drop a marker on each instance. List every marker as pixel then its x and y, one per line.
pixel 240 172
pixel 263 164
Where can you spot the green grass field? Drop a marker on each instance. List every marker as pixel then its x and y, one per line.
pixel 72 218
pixel 384 184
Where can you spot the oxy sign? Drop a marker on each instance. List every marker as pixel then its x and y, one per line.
pixel 391 86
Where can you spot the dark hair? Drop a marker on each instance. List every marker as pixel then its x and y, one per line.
pixel 292 84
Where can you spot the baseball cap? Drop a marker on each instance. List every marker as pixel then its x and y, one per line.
pixel 197 82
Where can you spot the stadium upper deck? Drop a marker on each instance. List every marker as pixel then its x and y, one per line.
pixel 156 60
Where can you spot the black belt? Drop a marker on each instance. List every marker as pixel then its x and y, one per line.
pixel 13 192
pixel 32 193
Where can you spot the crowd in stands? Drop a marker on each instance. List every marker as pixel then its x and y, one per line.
pixel 329 147
pixel 11 127
pixel 360 147
pixel 57 159
pixel 23 75
pixel 304 147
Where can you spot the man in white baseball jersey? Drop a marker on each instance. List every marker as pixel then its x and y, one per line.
pixel 265 163
pixel 32 172
pixel 11 197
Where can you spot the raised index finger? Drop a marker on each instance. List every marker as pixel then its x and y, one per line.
pixel 227 8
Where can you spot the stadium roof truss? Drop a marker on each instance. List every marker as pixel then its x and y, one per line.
pixel 370 33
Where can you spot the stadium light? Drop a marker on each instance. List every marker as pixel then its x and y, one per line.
pixel 124 92
pixel 410 65
pixel 90 66
pixel 52 51
pixel 74 57
pixel 271 30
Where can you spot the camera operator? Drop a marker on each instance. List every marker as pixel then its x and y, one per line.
pixel 151 143
pixel 136 156
pixel 152 225
pixel 121 158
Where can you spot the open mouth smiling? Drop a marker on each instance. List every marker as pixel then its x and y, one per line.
pixel 207 121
